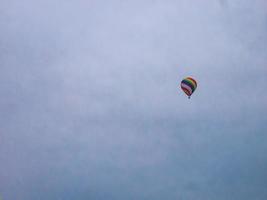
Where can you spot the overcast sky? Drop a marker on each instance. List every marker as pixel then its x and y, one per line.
pixel 91 106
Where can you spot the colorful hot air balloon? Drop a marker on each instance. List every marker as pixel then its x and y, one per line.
pixel 188 85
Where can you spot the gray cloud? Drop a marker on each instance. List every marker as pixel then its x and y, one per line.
pixel 91 106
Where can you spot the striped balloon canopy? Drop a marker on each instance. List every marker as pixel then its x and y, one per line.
pixel 188 85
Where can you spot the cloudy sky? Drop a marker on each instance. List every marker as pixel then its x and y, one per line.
pixel 91 107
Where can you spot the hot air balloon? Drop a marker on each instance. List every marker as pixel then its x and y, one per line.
pixel 188 85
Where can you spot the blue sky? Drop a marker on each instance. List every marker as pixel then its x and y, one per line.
pixel 91 107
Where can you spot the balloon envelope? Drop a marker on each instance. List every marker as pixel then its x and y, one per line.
pixel 188 85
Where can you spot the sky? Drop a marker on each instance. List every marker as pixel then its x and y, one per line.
pixel 91 106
